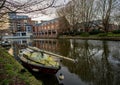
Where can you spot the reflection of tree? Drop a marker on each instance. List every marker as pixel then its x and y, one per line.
pixel 93 60
pixel 46 79
pixel 107 76
pixel 93 64
pixel 82 51
pixel 64 47
pixel 105 71
pixel 114 50
pixel 86 61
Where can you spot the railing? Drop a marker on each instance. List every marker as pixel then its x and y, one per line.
pixel 15 37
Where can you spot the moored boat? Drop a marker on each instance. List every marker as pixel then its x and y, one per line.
pixel 39 61
pixel 5 43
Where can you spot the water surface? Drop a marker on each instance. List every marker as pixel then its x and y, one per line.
pixel 98 61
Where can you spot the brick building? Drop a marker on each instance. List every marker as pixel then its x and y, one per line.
pixel 51 29
pixel 20 25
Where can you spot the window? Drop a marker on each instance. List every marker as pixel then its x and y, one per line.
pixel 28 28
pixel 24 41
pixel 54 32
pixel 25 21
pixel 48 27
pixel 49 32
pixel 24 34
pixel 17 34
pixel 46 33
pixel 19 28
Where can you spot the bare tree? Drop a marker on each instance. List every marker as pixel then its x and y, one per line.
pixel 23 6
pixel 77 11
pixel 4 22
pixel 3 17
pixel 2 2
pixel 117 19
pixel 27 6
pixel 68 12
pixel 106 10
pixel 86 13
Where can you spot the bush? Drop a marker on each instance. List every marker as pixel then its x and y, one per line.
pixel 78 33
pixel 116 31
pixel 102 34
pixel 95 31
pixel 74 32
pixel 85 34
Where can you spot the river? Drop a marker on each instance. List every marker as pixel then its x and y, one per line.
pixel 98 62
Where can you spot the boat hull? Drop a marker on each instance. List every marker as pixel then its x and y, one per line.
pixel 40 68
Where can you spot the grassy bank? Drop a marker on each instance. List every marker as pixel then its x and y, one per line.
pixel 11 71
pixel 100 36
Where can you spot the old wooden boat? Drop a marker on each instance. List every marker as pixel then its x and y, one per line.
pixel 39 61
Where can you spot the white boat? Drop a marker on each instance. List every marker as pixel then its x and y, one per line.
pixel 5 43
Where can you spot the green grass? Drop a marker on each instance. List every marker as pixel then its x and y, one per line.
pixel 10 71
pixel 100 35
pixel 113 35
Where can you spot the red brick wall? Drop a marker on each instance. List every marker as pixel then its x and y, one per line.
pixel 51 29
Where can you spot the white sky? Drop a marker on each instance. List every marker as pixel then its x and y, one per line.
pixel 44 17
pixel 49 13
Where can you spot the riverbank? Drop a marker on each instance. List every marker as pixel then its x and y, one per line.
pixel 100 36
pixel 12 73
pixel 91 38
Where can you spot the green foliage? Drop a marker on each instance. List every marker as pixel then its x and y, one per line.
pixel 5 82
pixel 95 31
pixel 116 31
pixel 110 34
pixel 10 71
pixel 85 34
pixel 102 34
pixel 78 33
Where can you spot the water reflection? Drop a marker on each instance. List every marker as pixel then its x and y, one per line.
pixel 46 79
pixel 47 44
pixel 98 61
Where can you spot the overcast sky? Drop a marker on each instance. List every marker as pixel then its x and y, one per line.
pixel 49 13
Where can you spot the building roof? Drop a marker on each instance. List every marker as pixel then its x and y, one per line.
pixel 38 24
pixel 47 22
pixel 12 15
pixel 19 17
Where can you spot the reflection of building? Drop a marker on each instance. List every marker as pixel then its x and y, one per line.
pixel 51 28
pixel 22 43
pixel 47 44
pixel 20 25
